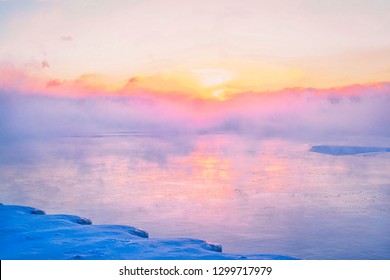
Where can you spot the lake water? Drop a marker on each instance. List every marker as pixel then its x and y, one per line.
pixel 250 195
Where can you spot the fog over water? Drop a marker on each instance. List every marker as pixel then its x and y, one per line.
pixel 304 114
pixel 239 173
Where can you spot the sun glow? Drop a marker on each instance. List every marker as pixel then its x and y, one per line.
pixel 213 82
pixel 212 77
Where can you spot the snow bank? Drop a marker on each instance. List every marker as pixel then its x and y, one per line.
pixel 28 233
pixel 346 150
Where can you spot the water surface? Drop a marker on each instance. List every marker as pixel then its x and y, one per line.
pixel 250 195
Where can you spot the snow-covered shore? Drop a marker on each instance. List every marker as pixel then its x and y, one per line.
pixel 28 233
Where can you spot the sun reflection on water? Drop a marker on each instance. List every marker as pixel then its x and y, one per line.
pixel 253 196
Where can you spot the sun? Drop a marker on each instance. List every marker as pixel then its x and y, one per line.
pixel 213 82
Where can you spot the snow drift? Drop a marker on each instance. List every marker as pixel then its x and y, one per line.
pixel 28 233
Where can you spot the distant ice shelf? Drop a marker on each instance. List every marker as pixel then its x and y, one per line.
pixel 28 233
pixel 347 150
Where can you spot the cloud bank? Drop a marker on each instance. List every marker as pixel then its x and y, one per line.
pixel 305 114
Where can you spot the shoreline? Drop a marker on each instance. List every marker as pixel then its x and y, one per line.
pixel 28 233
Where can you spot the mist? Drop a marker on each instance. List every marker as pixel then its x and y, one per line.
pixel 302 114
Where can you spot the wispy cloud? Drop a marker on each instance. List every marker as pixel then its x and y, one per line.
pixel 66 38
pixel 45 64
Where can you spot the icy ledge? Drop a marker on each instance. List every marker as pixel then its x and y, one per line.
pixel 28 233
pixel 347 150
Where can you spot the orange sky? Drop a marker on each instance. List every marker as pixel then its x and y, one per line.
pixel 203 49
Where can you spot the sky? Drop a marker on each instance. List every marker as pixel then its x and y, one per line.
pixel 298 69
pixel 203 49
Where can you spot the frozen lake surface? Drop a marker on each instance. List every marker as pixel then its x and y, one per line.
pixel 252 196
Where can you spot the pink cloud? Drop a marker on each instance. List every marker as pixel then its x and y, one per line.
pixel 45 64
pixel 66 38
pixel 53 83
